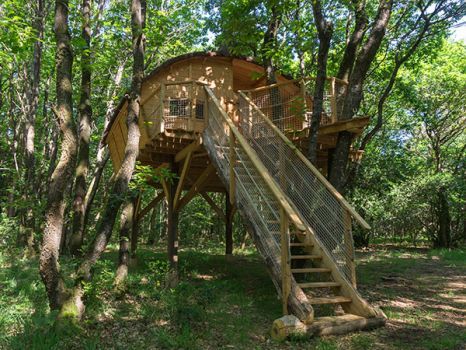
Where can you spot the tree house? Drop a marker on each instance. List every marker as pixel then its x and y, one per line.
pixel 212 120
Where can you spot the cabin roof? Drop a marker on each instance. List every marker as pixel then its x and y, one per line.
pixel 171 61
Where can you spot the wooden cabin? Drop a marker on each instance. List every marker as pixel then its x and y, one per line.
pixel 169 126
pixel 212 120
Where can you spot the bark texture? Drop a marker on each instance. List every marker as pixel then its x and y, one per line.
pixel 325 31
pixel 48 264
pixel 353 96
pixel 85 115
pixel 126 224
pixel 122 178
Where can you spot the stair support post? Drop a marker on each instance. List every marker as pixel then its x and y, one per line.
pixel 349 245
pixel 333 100
pixel 232 168
pixel 285 259
pixel 228 225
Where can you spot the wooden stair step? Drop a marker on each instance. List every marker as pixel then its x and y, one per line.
pixel 329 300
pixel 319 284
pixel 310 269
pixel 315 257
pixel 300 244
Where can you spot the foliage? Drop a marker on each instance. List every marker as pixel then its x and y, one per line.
pixel 419 152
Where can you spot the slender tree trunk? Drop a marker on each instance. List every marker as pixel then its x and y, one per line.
pixel 126 224
pixel 48 264
pixel 269 42
pixel 30 120
pixel 73 306
pixel 444 219
pixel 325 31
pixel 268 45
pixel 85 114
pixel 102 153
pixel 152 226
pixel 122 178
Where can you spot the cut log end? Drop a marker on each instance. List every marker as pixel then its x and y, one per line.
pixel 287 326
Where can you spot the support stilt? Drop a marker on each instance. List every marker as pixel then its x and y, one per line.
pixel 228 226
pixel 172 231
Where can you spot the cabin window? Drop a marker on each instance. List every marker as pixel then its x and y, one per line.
pixel 179 107
pixel 200 110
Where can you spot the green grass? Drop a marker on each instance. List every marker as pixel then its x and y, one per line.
pixel 222 304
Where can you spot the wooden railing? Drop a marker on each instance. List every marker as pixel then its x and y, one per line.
pixel 180 106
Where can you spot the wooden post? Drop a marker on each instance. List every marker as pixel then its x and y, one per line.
pixel 232 168
pixel 285 260
pixel 303 95
pixel 333 100
pixel 162 107
pixel 192 103
pixel 228 225
pixel 349 247
pixel 172 231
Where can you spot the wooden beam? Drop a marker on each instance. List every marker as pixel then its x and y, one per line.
pixel 144 101
pixel 344 125
pixel 196 187
pixel 181 181
pixel 188 150
pixel 349 245
pixel 285 260
pixel 232 159
pixel 214 206
pixel 151 205
pixel 228 225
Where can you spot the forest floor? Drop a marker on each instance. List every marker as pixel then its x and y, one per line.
pixel 231 304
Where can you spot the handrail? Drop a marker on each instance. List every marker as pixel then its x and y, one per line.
pixel 340 81
pixel 311 167
pixel 276 191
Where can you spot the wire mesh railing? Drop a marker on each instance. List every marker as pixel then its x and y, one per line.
pixel 318 206
pixel 289 105
pixel 251 191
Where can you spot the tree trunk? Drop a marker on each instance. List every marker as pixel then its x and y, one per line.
pixel 126 224
pixel 29 128
pixel 270 37
pixel 325 31
pixel 353 97
pixel 122 178
pixel 135 228
pixel 48 264
pixel 444 219
pixel 85 114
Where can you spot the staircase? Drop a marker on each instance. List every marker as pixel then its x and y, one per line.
pixel 300 224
